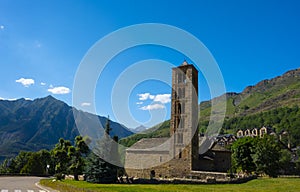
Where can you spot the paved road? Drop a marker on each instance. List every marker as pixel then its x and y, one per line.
pixel 20 184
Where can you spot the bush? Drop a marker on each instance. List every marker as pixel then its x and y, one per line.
pixel 59 176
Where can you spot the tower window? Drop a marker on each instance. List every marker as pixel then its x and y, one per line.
pixel 179 93
pixel 179 138
pixel 180 154
pixel 182 122
pixel 180 77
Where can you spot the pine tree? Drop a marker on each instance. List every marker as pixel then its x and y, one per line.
pixel 100 171
pixel 97 169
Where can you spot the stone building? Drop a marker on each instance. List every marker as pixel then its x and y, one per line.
pixel 180 155
pixel 255 132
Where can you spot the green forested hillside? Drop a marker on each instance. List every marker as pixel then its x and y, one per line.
pixel 281 119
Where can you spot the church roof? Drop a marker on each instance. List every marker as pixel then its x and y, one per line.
pixel 206 144
pixel 151 143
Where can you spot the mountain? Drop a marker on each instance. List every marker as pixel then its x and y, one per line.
pixel 281 91
pixel 38 124
pixel 270 98
pixel 139 129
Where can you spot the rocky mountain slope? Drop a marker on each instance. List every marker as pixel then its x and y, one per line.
pixel 266 95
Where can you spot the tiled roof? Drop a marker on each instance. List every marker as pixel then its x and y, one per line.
pixel 151 143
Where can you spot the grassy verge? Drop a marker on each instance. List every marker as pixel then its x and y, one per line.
pixel 261 184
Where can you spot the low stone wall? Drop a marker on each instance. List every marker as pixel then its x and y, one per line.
pixel 209 180
pixel 202 175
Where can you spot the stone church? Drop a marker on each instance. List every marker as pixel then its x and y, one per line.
pixel 180 155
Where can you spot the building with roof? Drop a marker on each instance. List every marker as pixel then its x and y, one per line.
pixel 184 153
pixel 256 132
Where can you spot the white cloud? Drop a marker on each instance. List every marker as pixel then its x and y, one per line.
pixel 153 107
pixel 151 96
pixel 85 104
pixel 145 96
pixel 25 82
pixel 2 27
pixel 43 84
pixel 59 90
pixel 159 101
pixel 163 98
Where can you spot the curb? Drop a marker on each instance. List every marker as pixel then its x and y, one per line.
pixel 43 188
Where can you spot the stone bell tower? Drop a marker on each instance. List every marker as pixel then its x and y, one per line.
pixel 184 115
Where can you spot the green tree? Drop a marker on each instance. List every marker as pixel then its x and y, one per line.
pixel 266 156
pixel 76 156
pixel 243 149
pixel 47 160
pixel 34 165
pixel 60 156
pixel 4 167
pixel 285 161
pixel 17 163
pixel 97 169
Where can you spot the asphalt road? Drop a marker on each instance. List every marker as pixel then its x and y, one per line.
pixel 21 184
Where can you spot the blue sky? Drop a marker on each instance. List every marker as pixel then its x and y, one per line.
pixel 43 42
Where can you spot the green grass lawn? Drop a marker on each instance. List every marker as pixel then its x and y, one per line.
pixel 261 184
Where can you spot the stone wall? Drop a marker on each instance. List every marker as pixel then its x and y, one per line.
pixel 221 162
pixel 143 159
pixel 174 168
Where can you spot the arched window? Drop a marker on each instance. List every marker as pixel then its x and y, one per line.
pixel 182 122
pixel 179 138
pixel 179 77
pixel 179 93
pixel 180 154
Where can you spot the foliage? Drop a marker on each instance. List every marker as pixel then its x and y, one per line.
pixel 266 156
pixel 34 165
pixel 17 163
pixel 62 159
pixel 242 151
pixel 68 158
pixel 76 155
pixel 260 155
pixel 60 156
pixel 98 170
pixel 285 162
